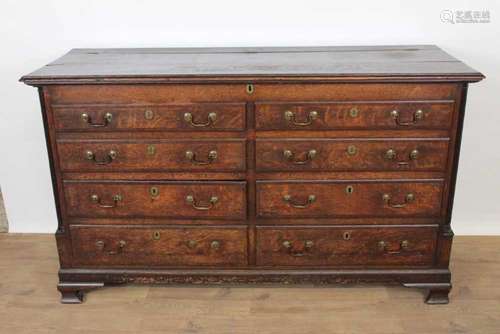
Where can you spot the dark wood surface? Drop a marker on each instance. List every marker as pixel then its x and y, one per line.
pixel 333 199
pixel 346 246
pixel 228 117
pixel 137 246
pixel 170 200
pixel 107 65
pixel 352 115
pixel 351 155
pixel 141 197
pixel 153 155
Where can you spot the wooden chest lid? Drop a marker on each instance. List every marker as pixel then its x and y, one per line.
pixel 332 63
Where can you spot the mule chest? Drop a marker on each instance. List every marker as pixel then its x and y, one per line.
pixel 252 165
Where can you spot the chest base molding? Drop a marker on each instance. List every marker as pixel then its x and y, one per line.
pixel 75 282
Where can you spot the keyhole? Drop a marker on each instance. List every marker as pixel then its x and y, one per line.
pixel 349 190
pixel 154 192
pixel 347 235
pixel 250 89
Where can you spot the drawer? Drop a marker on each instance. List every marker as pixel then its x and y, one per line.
pixel 346 246
pixel 158 246
pixel 353 115
pixel 167 117
pixel 391 198
pixel 351 154
pixel 170 199
pixel 164 155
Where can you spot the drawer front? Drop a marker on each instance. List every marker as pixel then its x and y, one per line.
pixel 169 117
pixel 356 155
pixel 353 115
pixel 346 246
pixel 158 246
pixel 170 155
pixel 221 200
pixel 349 199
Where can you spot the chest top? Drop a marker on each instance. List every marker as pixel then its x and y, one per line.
pixel 338 64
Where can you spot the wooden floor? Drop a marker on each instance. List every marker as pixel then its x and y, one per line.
pixel 29 302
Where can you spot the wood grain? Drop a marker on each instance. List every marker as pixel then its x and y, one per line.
pixel 171 199
pixel 192 246
pixel 351 154
pixel 332 199
pixel 107 65
pixel 170 117
pixel 152 155
pixel 353 115
pixel 345 246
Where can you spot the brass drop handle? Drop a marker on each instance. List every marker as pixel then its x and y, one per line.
pixel 101 245
pixel 290 118
pixel 388 200
pixel 308 244
pixel 121 245
pixel 391 154
pixel 211 118
pixel 106 120
pixel 96 199
pixel 288 155
pixel 417 115
pixel 403 245
pixel 211 203
pixel 191 156
pixel 108 158
pixel 310 200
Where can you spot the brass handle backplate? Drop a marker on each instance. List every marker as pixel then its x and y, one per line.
pixel 310 200
pixel 96 199
pixel 383 247
pixel 391 154
pixel 215 244
pixel 417 115
pixel 288 155
pixel 106 120
pixel 192 201
pixel 191 156
pixel 211 118
pixel 108 158
pixel 388 200
pixel 290 118
pixel 307 245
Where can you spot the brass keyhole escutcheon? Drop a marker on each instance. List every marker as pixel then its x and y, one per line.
pixel 151 150
pixel 154 192
pixel 354 112
pixel 352 150
pixel 347 236
pixel 349 190
pixel 156 235
pixel 250 89
pixel 148 114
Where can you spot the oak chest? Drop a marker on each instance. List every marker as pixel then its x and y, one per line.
pixel 249 165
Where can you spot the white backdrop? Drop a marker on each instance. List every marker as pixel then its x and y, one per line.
pixel 34 33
